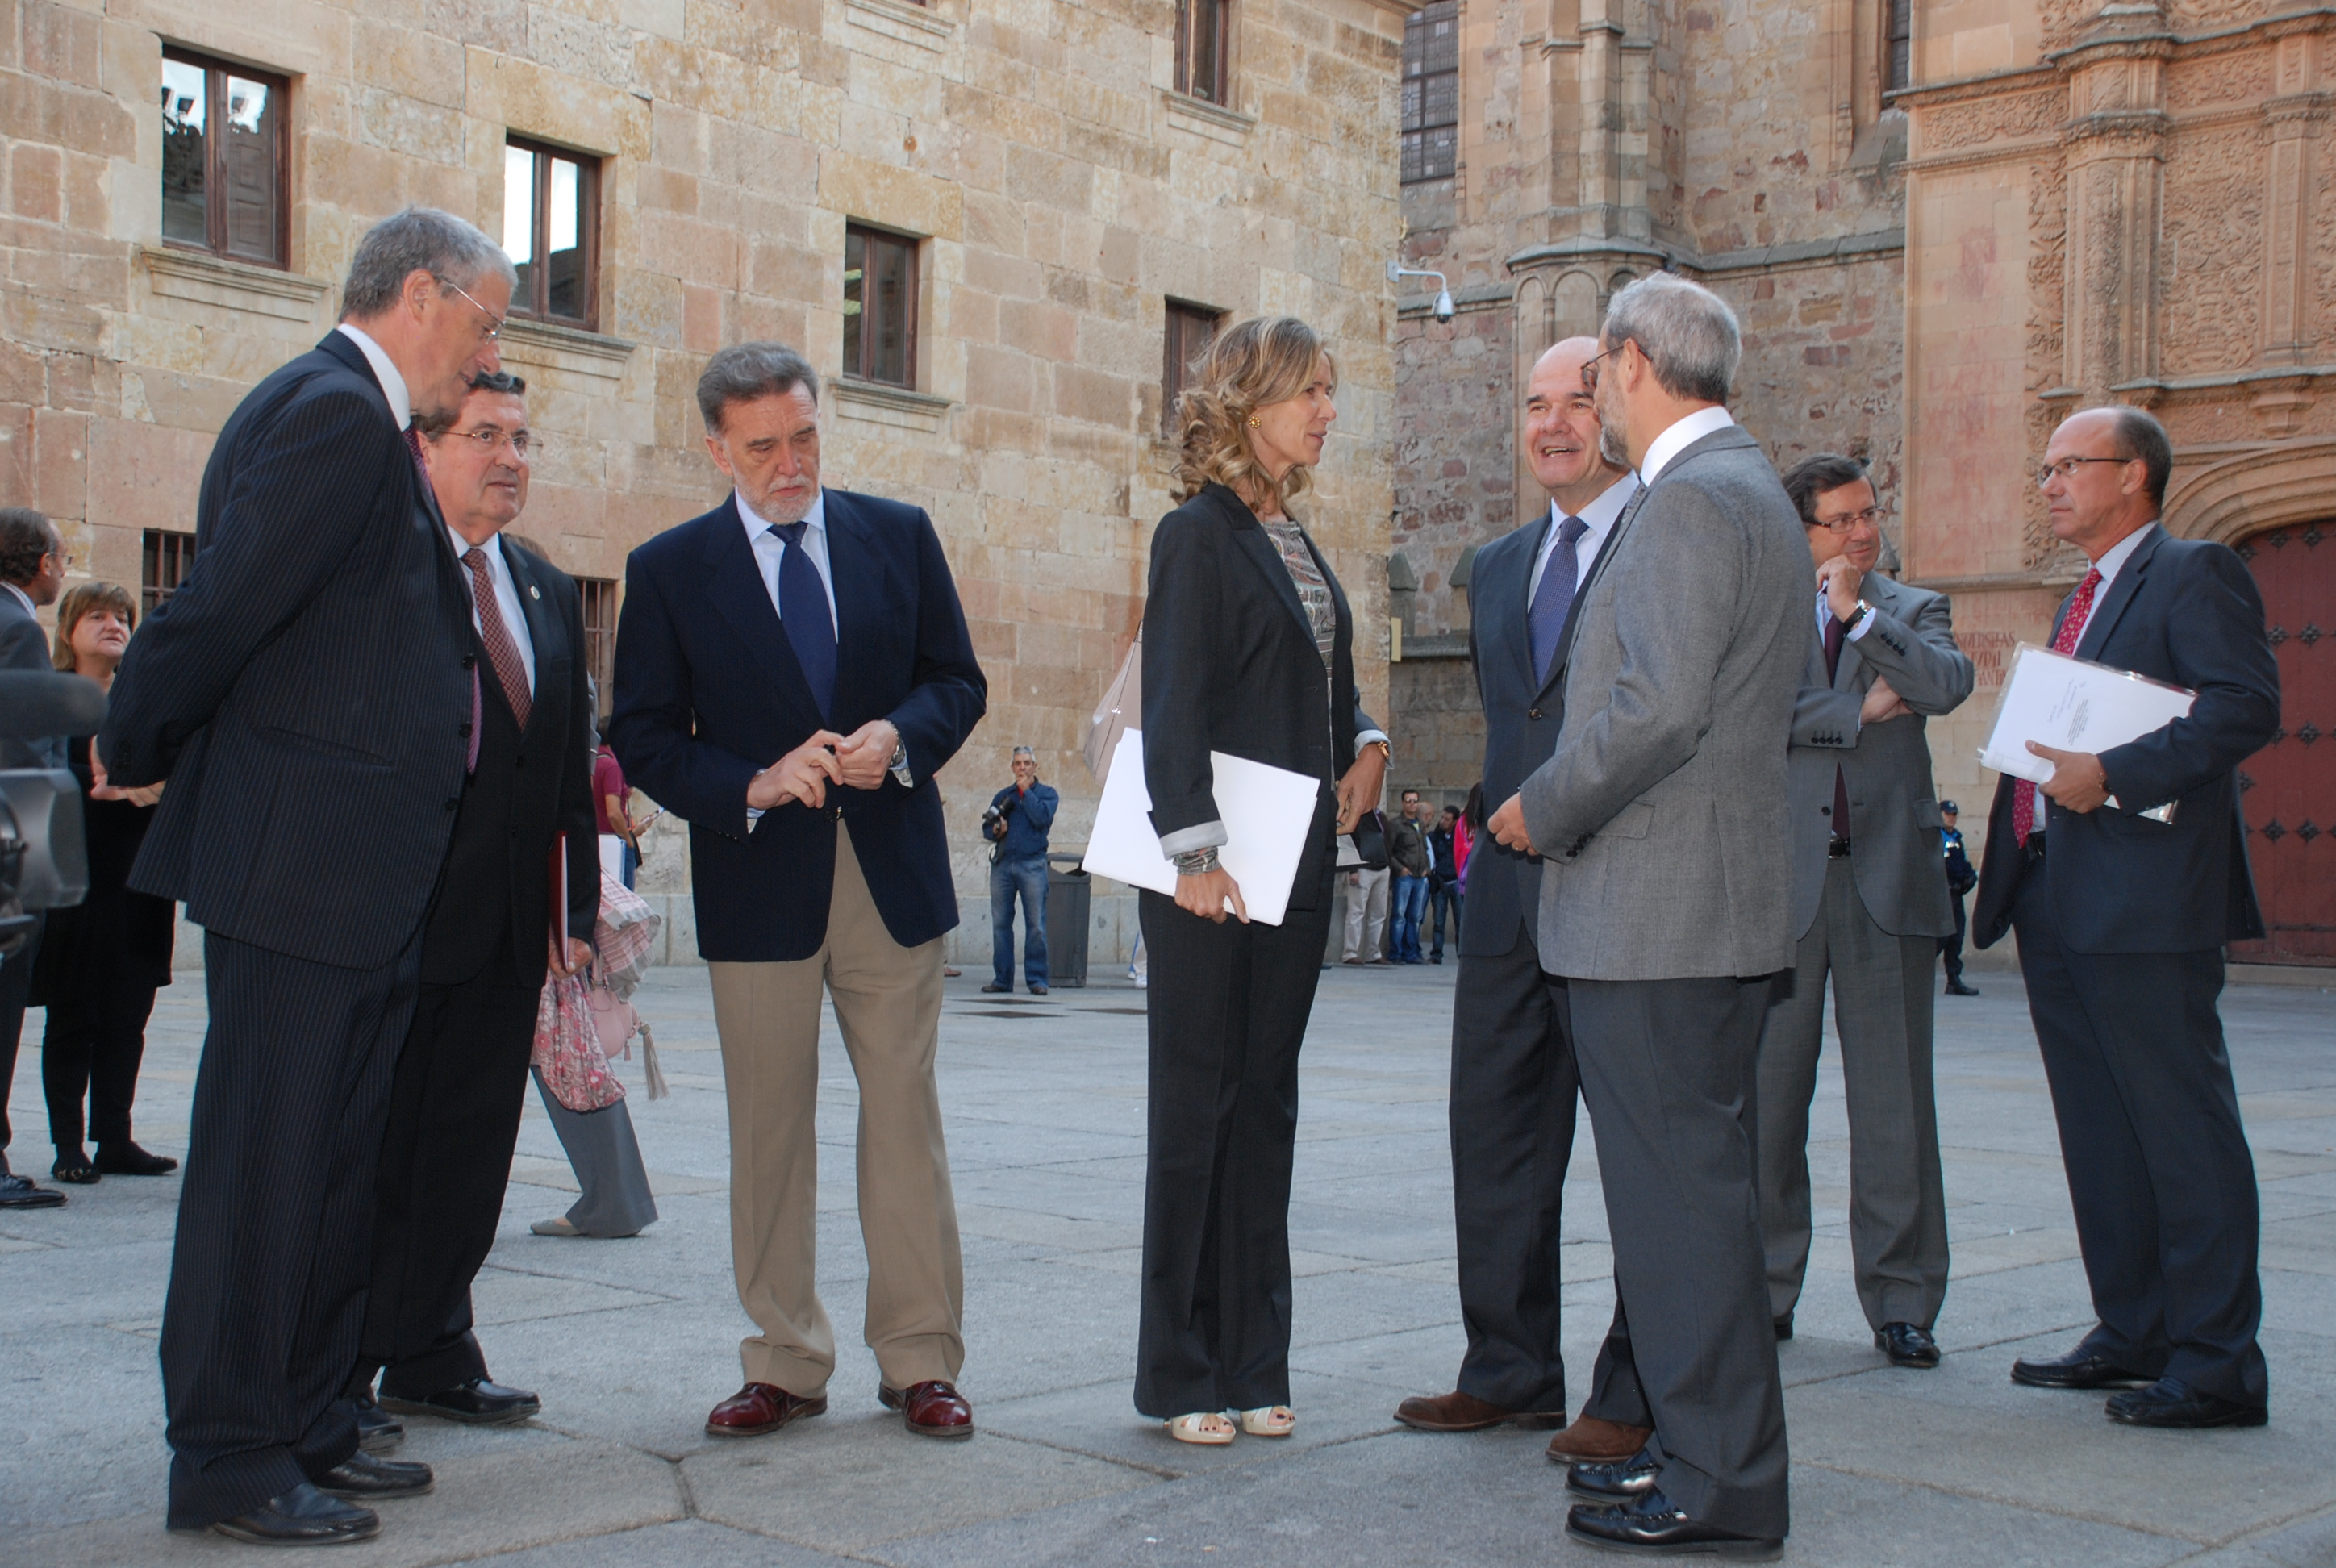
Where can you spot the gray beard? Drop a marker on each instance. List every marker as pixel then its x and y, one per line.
pixel 1610 448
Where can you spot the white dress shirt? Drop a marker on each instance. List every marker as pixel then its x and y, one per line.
pixel 2111 562
pixel 384 370
pixel 506 598
pixel 1679 438
pixel 1597 521
pixel 770 548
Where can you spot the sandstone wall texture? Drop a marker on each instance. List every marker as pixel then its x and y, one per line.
pixel 1059 190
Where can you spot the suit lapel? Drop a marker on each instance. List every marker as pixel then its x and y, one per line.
pixel 1516 622
pixel 544 631
pixel 852 570
pixel 1606 552
pixel 734 584
pixel 2105 615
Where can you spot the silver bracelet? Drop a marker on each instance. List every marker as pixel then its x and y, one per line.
pixel 1196 862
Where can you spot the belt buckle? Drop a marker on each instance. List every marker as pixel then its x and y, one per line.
pixel 1838 847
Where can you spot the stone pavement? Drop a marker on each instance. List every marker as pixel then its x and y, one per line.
pixel 631 1341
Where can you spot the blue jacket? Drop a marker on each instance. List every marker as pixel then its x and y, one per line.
pixel 1027 825
pixel 708 693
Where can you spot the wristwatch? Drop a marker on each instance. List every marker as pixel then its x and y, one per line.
pixel 1856 617
pixel 898 765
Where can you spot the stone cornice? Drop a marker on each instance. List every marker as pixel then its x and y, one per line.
pixel 211 279
pixel 1757 258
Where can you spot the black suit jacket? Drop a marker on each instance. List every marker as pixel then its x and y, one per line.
pixel 1523 716
pixel 708 693
pixel 308 687
pixel 531 785
pixel 1230 664
pixel 24 646
pixel 2185 611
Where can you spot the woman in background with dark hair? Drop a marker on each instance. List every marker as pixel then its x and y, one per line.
pixel 102 960
pixel 1247 650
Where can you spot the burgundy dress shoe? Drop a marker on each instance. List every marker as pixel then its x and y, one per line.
pixel 1590 1440
pixel 933 1409
pixel 1460 1412
pixel 757 1408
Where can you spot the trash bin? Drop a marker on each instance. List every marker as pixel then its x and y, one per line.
pixel 1069 892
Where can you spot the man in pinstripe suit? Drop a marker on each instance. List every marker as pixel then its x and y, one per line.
pixel 310 693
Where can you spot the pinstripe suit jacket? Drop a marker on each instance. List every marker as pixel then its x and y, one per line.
pixel 307 689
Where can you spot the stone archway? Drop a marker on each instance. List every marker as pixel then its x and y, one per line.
pixel 2266 488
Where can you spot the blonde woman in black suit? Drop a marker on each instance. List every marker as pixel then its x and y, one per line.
pixel 1248 650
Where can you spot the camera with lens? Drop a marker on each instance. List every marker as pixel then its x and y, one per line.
pixel 43 857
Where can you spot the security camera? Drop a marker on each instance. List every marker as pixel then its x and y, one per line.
pixel 1444 307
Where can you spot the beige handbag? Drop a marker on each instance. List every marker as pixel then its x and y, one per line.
pixel 1122 704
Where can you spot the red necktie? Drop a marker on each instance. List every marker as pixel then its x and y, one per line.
pixel 2072 627
pixel 501 651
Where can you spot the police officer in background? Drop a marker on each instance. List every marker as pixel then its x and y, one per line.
pixel 1017 822
pixel 1961 879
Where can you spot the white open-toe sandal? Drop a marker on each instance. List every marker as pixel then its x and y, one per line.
pixel 1269 1421
pixel 1207 1427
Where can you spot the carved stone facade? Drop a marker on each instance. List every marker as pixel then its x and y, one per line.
pixel 1058 190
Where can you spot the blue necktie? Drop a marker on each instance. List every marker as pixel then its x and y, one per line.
pixel 802 609
pixel 1546 622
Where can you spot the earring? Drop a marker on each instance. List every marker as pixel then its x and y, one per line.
pixel 1253 425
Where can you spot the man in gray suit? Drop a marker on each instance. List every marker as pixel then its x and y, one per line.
pixel 1666 904
pixel 32 572
pixel 1869 906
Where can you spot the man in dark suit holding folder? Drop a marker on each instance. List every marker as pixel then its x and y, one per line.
pixel 461 1078
pixel 2121 923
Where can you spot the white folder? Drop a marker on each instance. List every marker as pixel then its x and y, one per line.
pixel 2075 704
pixel 1266 812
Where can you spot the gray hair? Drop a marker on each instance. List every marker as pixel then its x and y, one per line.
pixel 1025 751
pixel 418 240
pixel 1685 330
pixel 746 371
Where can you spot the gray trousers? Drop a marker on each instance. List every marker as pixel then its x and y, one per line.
pixel 1897 1203
pixel 616 1200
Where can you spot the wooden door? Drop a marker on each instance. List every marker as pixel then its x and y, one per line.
pixel 2289 788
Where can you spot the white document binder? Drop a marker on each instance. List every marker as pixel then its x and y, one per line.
pixel 2074 705
pixel 1267 812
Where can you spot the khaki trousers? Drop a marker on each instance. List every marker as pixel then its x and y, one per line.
pixel 887 1004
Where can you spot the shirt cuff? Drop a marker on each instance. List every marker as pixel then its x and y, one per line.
pixel 1205 835
pixel 1370 735
pixel 1865 624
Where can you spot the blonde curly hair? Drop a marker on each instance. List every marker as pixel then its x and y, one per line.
pixel 1247 365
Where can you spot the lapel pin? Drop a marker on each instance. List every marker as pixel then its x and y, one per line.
pixel 534 592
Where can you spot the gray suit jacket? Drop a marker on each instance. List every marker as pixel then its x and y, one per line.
pixel 1894 810
pixel 1662 812
pixel 24 646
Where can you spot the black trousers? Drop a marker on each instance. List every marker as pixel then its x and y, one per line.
pixel 1514 1087
pixel 93 1044
pixel 15 985
pixel 1228 1006
pixel 268 1273
pixel 445 1159
pixel 2159 1171
pixel 1667 1069
pixel 1952 947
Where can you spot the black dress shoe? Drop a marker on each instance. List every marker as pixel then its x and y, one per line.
pixel 1957 989
pixel 2076 1370
pixel 378 1431
pixel 125 1158
pixel 72 1165
pixel 306 1515
pixel 1784 1326
pixel 1611 1481
pixel 2171 1402
pixel 480 1402
pixel 369 1480
pixel 17 1192
pixel 1654 1527
pixel 1906 1346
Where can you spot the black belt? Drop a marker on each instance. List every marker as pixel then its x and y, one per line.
pixel 1838 847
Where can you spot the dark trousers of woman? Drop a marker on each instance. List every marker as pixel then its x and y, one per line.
pixel 93 1044
pixel 1228 1010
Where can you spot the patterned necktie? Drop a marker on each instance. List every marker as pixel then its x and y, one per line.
pixel 501 651
pixel 802 609
pixel 2072 627
pixel 1835 634
pixel 1545 622
pixel 478 698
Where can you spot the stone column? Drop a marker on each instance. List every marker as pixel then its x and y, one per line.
pixel 2115 143
pixel 2293 120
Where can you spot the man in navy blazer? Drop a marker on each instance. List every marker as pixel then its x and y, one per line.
pixel 791 670
pixel 1514 1077
pixel 2122 922
pixel 309 694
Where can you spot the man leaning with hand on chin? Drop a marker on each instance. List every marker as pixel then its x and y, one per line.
pixel 791 670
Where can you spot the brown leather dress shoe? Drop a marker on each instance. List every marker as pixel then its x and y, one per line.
pixel 1459 1412
pixel 1592 1441
pixel 933 1409
pixel 757 1408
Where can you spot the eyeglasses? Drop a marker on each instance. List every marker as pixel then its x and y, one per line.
pixel 1589 368
pixel 490 439
pixel 2066 468
pixel 494 322
pixel 1871 517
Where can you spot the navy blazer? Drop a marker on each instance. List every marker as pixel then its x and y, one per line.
pixel 708 693
pixel 24 646
pixel 306 690
pixel 2185 611
pixel 1523 716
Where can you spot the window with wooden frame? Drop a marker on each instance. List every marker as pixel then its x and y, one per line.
pixel 1203 32
pixel 167 557
pixel 1191 328
pixel 1431 93
pixel 600 638
pixel 551 231
pixel 1897 45
pixel 225 159
pixel 880 306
